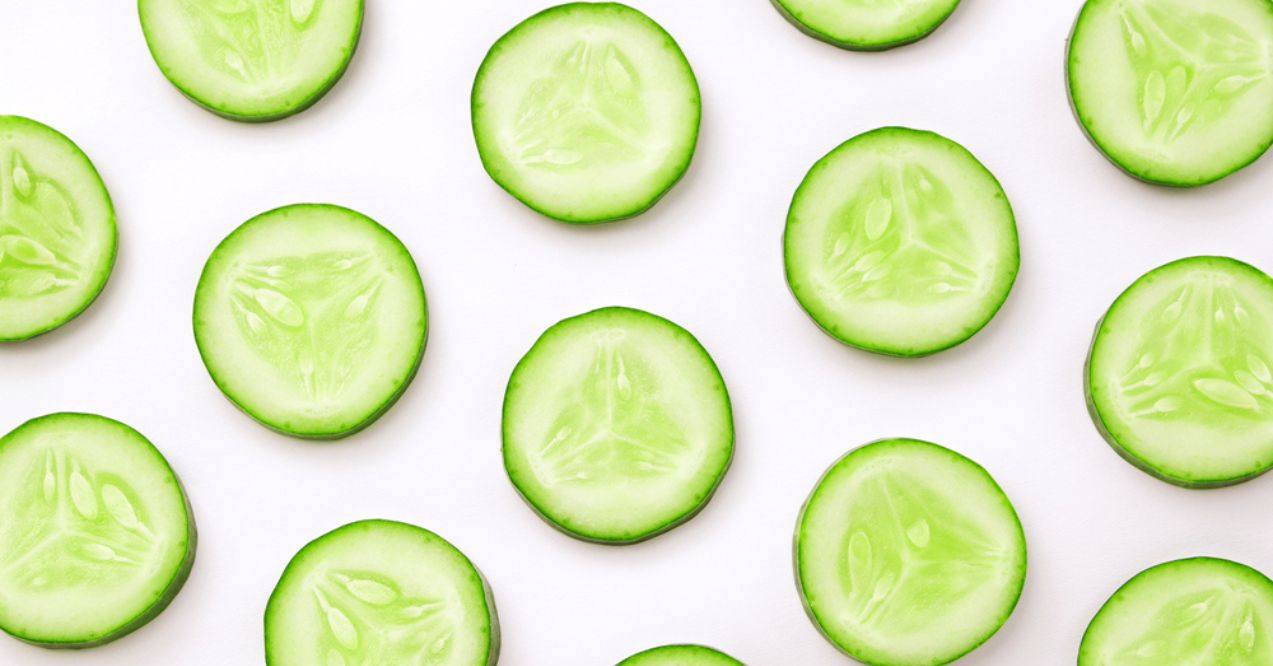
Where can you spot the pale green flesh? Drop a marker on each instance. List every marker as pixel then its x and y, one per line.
pixel 680 655
pixel 57 229
pixel 252 59
pixel 617 425
pixel 1197 612
pixel 908 554
pixel 868 24
pixel 312 319
pixel 1179 374
pixel 1176 92
pixel 377 592
pixel 586 112
pixel 900 242
pixel 98 537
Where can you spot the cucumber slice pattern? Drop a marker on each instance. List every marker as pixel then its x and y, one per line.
pixel 908 554
pixel 1178 377
pixel 381 592
pixel 617 426
pixel 900 242
pixel 586 112
pixel 867 25
pixel 252 60
pixel 1195 611
pixel 57 230
pixel 1175 92
pixel 312 319
pixel 97 538
pixel 681 655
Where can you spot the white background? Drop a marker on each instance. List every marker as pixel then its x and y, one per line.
pixel 393 140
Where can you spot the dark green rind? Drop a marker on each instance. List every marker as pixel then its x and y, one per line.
pixel 375 414
pixel 682 168
pixel 114 234
pixel 174 584
pixel 310 100
pixel 861 46
pixel 846 338
pixel 699 651
pixel 1176 479
pixel 1083 646
pixel 494 641
pixel 1138 174
pixel 849 650
pixel 606 540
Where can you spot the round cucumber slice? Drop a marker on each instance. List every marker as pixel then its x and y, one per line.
pixel 586 112
pixel 617 426
pixel 1195 611
pixel 98 537
pixel 1178 377
pixel 900 242
pixel 312 319
pixel 381 592
pixel 57 230
pixel 908 554
pixel 1174 92
pixel 867 25
pixel 681 655
pixel 252 60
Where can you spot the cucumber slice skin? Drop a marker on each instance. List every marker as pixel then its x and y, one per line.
pixel 857 653
pixel 229 113
pixel 491 159
pixel 297 561
pixel 1174 477
pixel 180 574
pixel 108 263
pixel 583 534
pixel 863 44
pixel 1090 649
pixel 681 655
pixel 809 302
pixel 329 433
pixel 1145 175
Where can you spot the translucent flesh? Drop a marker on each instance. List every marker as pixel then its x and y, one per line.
pixel 909 554
pixel 1180 371
pixel 375 593
pixel 869 24
pixel 1200 612
pixel 681 655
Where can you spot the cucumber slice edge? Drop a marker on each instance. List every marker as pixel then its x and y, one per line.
pixel 862 46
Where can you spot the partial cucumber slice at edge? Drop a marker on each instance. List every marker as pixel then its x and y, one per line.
pixel 882 42
pixel 681 655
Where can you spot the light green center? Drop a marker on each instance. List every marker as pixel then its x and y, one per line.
pixel 40 232
pixel 369 621
pixel 1214 627
pixel 252 40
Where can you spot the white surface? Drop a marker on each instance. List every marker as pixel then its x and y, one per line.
pixel 393 141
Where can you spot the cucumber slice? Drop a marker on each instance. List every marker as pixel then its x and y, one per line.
pixel 312 319
pixel 908 554
pixel 586 112
pixel 57 230
pixel 900 242
pixel 1178 377
pixel 681 655
pixel 381 592
pixel 98 537
pixel 1202 611
pixel 1174 92
pixel 252 60
pixel 617 426
pixel 867 25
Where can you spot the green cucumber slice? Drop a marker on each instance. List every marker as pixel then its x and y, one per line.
pixel 312 319
pixel 57 230
pixel 908 554
pixel 1203 611
pixel 867 25
pixel 681 655
pixel 617 426
pixel 98 537
pixel 900 242
pixel 1174 92
pixel 381 592
pixel 252 60
pixel 1178 377
pixel 586 112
